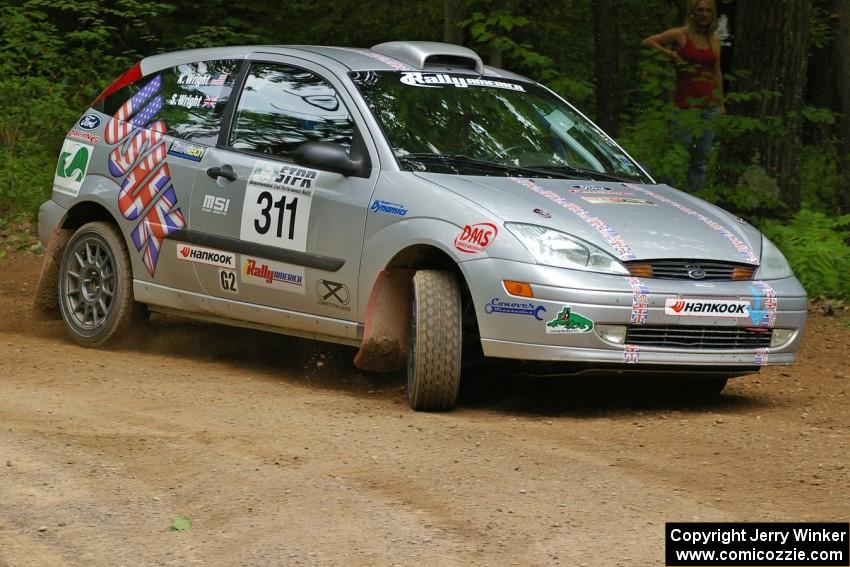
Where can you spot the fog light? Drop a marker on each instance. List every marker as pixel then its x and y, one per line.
pixel 782 337
pixel 612 333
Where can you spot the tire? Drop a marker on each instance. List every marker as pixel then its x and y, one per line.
pixel 709 388
pixel 96 285
pixel 434 350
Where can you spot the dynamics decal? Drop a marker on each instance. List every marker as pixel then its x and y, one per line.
pixel 624 252
pixel 640 301
pixel 388 208
pixel 139 157
pixel 72 167
pixel 744 251
pixel 569 322
pixel 631 354
pixel 433 80
pixel 763 311
pixel 274 274
pixel 496 305
pixel 475 238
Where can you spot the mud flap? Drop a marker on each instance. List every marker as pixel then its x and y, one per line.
pixel 46 301
pixel 384 347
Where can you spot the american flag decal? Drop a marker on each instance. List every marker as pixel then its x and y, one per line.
pixel 219 80
pixel 139 157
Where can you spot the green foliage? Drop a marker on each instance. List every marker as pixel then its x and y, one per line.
pixel 818 248
pixel 180 524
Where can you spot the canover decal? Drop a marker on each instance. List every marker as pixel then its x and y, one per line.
pixel 763 312
pixel 640 301
pixel 185 150
pixel 611 200
pixel 744 251
pixel 418 79
pixel 83 135
pixel 72 167
pixel 277 204
pixel 474 238
pixel 624 252
pixel 496 305
pixel 333 294
pixel 202 255
pixel 388 208
pixel 273 274
pixel 707 308
pixel 139 157
pixel 569 322
pixel 631 354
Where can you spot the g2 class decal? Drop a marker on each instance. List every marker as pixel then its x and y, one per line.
pixel 227 281
pixel 277 203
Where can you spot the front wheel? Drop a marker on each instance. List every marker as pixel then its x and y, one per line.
pixel 434 351
pixel 95 284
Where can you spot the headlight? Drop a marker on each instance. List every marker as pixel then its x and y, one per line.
pixel 554 248
pixel 774 266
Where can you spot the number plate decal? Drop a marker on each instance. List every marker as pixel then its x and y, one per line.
pixel 277 205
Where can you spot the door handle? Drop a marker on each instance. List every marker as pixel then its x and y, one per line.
pixel 224 171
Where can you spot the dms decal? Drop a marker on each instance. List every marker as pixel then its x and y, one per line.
pixel 72 167
pixel 640 301
pixel 146 194
pixel 496 305
pixel 476 237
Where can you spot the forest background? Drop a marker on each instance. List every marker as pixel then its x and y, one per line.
pixel 782 159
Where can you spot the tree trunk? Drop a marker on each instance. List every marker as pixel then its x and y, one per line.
pixel 607 49
pixel 452 17
pixel 841 44
pixel 772 41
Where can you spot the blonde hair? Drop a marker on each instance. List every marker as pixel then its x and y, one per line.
pixel 689 18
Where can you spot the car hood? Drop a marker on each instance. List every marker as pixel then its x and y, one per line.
pixel 632 221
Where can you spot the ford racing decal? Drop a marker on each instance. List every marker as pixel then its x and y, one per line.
pixel 744 251
pixel 624 252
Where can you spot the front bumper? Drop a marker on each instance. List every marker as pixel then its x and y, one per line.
pixel 516 327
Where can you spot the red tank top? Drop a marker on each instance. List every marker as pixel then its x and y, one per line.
pixel 695 81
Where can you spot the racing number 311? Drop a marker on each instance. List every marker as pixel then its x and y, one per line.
pixel 267 203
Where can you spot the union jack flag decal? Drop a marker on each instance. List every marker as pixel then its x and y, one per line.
pixel 632 354
pixel 139 157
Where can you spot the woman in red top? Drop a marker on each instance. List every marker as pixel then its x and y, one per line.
pixel 695 50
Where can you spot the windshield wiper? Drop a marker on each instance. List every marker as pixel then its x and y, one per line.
pixel 460 159
pixel 581 172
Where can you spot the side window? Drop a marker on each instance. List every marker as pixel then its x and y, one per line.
pixel 282 107
pixel 190 100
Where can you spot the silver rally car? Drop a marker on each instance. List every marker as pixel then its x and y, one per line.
pixel 408 200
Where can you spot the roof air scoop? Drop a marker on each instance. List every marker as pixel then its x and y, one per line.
pixel 421 54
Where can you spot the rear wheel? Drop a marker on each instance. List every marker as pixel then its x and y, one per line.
pixel 95 284
pixel 434 351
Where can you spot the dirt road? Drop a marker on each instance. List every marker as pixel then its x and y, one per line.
pixel 280 453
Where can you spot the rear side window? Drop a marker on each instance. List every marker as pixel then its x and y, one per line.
pixel 282 107
pixel 190 100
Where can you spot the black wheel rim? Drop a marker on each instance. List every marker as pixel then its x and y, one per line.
pixel 90 283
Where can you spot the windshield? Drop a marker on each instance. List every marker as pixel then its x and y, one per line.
pixel 452 123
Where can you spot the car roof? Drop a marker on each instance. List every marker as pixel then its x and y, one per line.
pixel 391 56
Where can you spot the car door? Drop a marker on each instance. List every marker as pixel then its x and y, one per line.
pixel 297 231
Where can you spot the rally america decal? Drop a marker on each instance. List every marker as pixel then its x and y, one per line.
pixel 744 251
pixel 640 301
pixel 624 252
pixel 276 209
pixel 433 80
pixel 707 308
pixel 569 322
pixel 278 275
pixel 496 305
pixel 138 159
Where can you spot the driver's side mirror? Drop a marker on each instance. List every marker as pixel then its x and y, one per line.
pixel 328 157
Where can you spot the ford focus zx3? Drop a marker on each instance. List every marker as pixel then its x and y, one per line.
pixel 407 200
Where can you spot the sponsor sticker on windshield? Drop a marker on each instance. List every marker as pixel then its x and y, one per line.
pixel 436 80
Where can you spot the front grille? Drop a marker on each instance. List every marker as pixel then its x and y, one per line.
pixel 675 269
pixel 698 337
